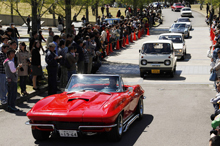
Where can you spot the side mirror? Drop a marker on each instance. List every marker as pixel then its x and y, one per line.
pixel 130 89
pixel 139 51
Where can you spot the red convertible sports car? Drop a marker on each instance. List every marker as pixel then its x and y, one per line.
pixel 176 7
pixel 90 104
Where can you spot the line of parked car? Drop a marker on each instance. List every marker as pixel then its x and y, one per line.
pixel 160 56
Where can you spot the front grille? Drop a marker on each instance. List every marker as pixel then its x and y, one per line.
pixel 155 62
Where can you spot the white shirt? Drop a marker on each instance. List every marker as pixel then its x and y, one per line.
pixel 12 66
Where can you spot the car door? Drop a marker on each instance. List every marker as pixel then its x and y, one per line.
pixel 134 99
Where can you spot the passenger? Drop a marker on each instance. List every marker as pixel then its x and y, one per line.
pixel 113 83
pixel 150 48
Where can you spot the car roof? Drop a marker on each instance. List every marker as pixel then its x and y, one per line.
pixel 158 41
pixel 113 19
pixel 171 34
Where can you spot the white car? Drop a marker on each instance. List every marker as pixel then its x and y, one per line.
pixel 178 43
pixel 186 11
pixel 186 20
pixel 157 57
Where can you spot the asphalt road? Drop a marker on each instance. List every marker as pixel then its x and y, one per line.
pixel 176 110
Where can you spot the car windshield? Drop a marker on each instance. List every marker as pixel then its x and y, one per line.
pixel 93 83
pixel 173 38
pixel 156 48
pixel 178 4
pixel 179 25
pixel 186 9
pixel 183 20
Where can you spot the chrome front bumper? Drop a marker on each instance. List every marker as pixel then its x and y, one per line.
pixel 80 127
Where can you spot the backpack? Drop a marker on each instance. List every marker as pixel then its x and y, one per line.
pixel 66 63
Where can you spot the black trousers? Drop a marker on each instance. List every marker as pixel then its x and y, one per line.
pixel 52 80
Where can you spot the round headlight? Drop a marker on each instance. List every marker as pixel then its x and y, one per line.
pixel 167 62
pixel 144 62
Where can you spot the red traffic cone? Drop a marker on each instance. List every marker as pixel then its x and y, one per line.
pixel 135 36
pixel 111 48
pixel 117 46
pixel 131 40
pixel 123 44
pixel 127 41
pixel 107 49
pixel 139 34
pixel 148 33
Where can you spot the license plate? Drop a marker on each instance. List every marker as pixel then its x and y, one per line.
pixel 68 133
pixel 155 71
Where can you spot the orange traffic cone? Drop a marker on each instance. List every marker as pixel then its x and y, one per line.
pixel 139 34
pixel 135 36
pixel 131 40
pixel 123 44
pixel 107 49
pixel 148 33
pixel 117 46
pixel 127 41
pixel 111 47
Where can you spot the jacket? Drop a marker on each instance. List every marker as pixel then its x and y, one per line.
pixel 22 58
pixel 72 61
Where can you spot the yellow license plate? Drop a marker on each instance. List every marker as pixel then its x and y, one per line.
pixel 155 71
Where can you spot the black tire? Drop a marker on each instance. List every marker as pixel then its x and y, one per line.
pixel 40 135
pixel 172 73
pixel 141 74
pixel 183 57
pixel 116 133
pixel 140 108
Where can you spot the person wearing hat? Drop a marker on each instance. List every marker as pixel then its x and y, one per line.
pixel 52 66
pixel 23 57
pixel 11 76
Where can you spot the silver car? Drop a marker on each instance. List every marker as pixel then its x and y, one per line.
pixel 178 43
pixel 185 20
pixel 180 27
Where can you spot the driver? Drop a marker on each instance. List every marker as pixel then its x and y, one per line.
pixel 166 48
pixel 150 48
pixel 113 83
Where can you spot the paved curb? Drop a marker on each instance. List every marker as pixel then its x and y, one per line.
pixel 30 95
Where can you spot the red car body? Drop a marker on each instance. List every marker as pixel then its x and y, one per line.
pixel 86 111
pixel 177 7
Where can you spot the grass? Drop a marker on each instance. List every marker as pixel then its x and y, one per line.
pixel 25 10
pixel 203 11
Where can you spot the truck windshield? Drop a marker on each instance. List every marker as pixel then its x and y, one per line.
pixel 173 38
pixel 156 48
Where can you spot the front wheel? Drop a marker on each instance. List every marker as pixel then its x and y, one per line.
pixel 116 133
pixel 40 135
pixel 141 74
pixel 140 108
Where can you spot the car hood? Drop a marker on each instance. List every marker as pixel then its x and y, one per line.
pixel 69 106
pixel 78 101
pixel 178 6
pixel 178 45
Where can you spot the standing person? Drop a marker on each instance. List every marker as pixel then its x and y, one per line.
pixel 107 10
pixel 50 38
pixel 75 18
pixel 56 40
pixel 80 62
pixel 32 40
pixel 52 66
pixel 4 41
pixel 60 20
pixel 3 85
pixel 28 20
pixel 207 8
pixel 72 58
pixel 62 52
pixel 91 47
pixel 15 35
pixel 36 63
pixel 11 76
pixel 23 58
pixel 119 13
pixel 83 20
pixel 102 9
pixel 86 57
pixel 40 38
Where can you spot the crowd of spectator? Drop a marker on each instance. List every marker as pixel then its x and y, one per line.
pixel 214 54
pixel 78 51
